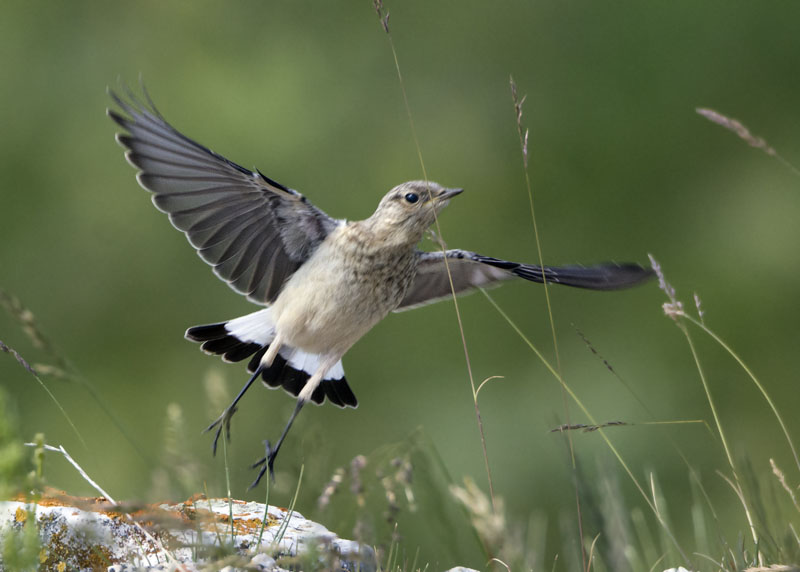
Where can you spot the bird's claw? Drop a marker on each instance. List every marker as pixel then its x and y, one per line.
pixel 266 463
pixel 223 421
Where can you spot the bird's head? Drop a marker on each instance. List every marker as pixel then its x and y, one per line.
pixel 410 208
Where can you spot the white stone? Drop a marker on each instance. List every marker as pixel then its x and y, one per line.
pixel 82 532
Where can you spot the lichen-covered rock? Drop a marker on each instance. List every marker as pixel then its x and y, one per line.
pixel 92 534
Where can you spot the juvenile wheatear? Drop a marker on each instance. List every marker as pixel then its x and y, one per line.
pixel 324 282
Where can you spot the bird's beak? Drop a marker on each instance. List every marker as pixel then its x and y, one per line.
pixel 449 194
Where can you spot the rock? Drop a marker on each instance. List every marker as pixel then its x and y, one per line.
pixel 90 533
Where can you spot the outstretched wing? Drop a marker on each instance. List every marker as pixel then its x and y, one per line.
pixel 470 270
pixel 254 231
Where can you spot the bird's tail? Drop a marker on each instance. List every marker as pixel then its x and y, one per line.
pixel 250 336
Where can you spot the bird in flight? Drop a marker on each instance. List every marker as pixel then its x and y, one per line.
pixel 323 282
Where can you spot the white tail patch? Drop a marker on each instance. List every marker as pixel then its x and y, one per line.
pixel 257 327
pixel 310 363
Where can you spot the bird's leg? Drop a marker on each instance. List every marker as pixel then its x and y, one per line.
pixel 224 420
pixel 267 462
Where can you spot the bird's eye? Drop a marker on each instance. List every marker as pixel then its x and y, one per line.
pixel 411 197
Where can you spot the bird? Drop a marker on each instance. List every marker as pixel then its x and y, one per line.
pixel 322 283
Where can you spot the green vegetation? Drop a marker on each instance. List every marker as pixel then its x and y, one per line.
pixel 694 460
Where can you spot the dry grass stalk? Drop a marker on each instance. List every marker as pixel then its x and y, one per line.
pixel 782 480
pixel 741 131
pixel 18 357
pixel 518 102
pixel 588 428
pixel 382 14
pixel 738 128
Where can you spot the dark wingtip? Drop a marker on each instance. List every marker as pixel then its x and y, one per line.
pixel 606 276
pixel 617 276
pixel 117 118
pixel 632 274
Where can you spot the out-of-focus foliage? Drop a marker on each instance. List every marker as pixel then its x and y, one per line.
pixel 621 166
pixel 12 452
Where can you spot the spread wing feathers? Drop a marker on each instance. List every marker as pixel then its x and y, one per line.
pixel 254 231
pixel 470 270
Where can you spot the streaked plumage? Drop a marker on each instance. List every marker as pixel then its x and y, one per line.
pixel 324 282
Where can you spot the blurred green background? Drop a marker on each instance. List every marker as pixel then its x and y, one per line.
pixel 307 92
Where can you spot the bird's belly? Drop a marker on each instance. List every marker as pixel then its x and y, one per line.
pixel 326 307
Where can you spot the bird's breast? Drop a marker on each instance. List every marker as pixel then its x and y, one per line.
pixel 341 291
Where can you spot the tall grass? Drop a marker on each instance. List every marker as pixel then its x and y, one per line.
pixel 470 496
pixel 613 532
pixel 383 16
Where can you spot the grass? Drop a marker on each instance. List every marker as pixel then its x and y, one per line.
pixel 489 520
pixel 390 484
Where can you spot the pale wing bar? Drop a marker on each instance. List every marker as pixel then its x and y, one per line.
pixel 254 231
pixel 470 270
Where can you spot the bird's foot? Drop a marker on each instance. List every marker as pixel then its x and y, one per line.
pixel 266 463
pixel 223 421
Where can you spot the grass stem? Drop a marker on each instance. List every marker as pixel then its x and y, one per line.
pixel 384 18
